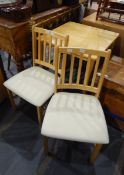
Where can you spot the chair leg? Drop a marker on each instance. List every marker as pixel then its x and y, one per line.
pixel 11 99
pixel 40 117
pixel 95 152
pixel 45 144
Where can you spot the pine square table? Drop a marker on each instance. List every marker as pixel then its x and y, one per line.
pixel 87 37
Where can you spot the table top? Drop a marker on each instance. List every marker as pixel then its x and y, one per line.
pixel 87 37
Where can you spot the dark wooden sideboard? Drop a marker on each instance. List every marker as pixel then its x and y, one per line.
pixel 112 94
pixel 14 37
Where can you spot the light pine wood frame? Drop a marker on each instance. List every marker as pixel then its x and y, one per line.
pixel 87 56
pixel 42 39
pixel 46 40
pixel 84 56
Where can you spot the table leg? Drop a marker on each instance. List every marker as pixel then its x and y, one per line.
pixel 2 68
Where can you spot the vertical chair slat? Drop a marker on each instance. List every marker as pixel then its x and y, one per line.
pixel 59 59
pixel 34 47
pixel 44 48
pixel 63 67
pixel 66 41
pixel 50 50
pixel 55 40
pixel 79 71
pixel 71 68
pixel 39 46
pixel 95 71
pixel 86 77
pixel 61 43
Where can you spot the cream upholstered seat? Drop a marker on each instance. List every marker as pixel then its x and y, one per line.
pixel 76 116
pixel 36 84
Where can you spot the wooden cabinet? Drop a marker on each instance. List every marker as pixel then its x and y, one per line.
pixel 112 95
pixel 3 93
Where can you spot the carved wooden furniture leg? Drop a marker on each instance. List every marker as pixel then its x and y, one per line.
pixel 95 152
pixel 45 144
pixel 9 61
pixel 11 99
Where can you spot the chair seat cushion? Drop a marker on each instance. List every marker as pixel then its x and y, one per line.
pixel 35 85
pixel 77 117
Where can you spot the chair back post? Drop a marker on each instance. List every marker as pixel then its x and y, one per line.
pixel 108 54
pixel 66 41
pixel 33 44
pixel 56 66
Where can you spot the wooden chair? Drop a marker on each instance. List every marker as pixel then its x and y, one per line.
pixel 36 84
pixel 77 116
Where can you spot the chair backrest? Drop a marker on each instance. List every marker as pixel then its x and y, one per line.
pixel 88 64
pixel 43 46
